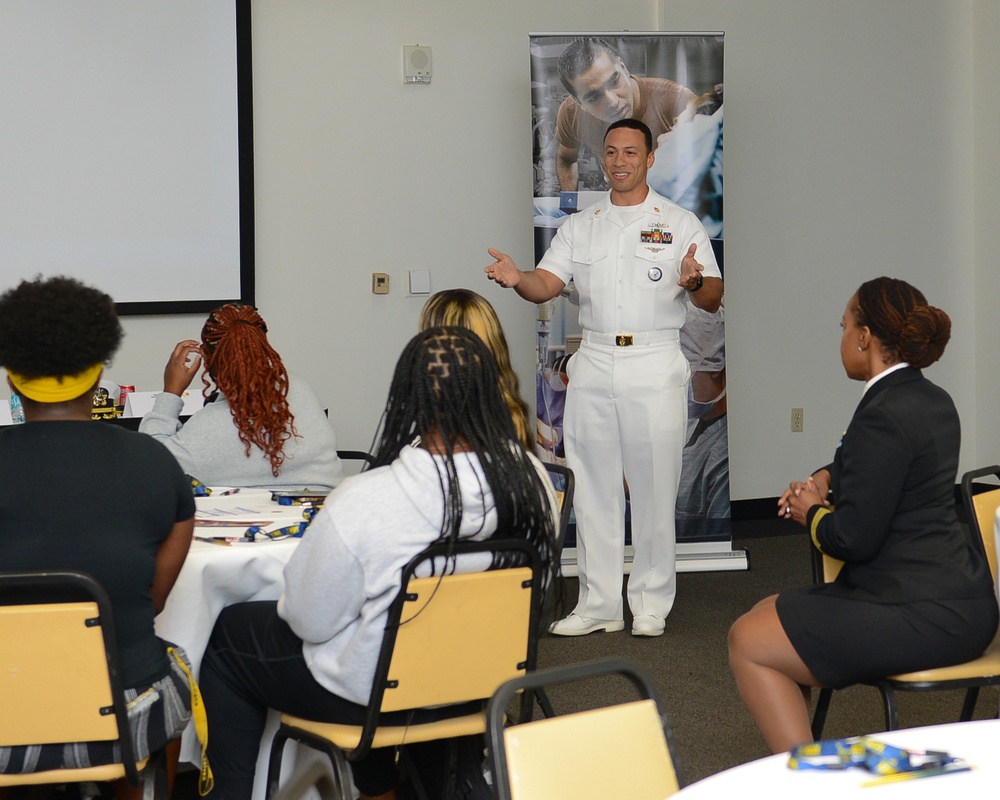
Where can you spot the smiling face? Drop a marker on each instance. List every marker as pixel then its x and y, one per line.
pixel 626 161
pixel 606 89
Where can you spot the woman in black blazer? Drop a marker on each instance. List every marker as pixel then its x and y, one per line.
pixel 913 593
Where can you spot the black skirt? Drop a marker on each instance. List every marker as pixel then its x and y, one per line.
pixel 845 641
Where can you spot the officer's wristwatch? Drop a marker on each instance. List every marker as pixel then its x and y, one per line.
pixel 701 282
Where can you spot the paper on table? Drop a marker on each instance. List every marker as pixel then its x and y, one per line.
pixel 226 515
pixel 253 502
pixel 138 404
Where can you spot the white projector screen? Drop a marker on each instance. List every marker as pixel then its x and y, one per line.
pixel 126 151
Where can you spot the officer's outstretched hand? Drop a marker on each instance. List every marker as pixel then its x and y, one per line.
pixel 504 271
pixel 690 270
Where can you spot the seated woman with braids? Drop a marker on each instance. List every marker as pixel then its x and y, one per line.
pixel 264 428
pixel 447 466
pixel 466 309
pixel 90 497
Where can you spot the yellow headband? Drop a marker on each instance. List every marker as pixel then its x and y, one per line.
pixel 56 390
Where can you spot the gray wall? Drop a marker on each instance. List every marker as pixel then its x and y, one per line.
pixel 862 140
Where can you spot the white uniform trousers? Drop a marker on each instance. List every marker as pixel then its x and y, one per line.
pixel 626 412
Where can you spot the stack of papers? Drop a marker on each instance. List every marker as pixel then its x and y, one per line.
pixel 228 514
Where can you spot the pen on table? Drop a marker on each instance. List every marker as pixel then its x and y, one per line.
pixel 229 492
pixel 920 773
pixel 210 540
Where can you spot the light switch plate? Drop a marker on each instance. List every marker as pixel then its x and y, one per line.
pixel 418 282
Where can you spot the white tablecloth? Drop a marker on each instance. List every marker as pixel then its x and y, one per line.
pixel 215 576
pixel 977 742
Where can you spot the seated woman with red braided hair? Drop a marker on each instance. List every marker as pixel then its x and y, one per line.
pixel 265 428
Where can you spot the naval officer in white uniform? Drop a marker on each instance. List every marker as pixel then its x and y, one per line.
pixel 637 260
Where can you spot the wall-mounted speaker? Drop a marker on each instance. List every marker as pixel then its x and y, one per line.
pixel 417 64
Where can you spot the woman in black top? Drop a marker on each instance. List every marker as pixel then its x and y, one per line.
pixel 93 497
pixel 913 593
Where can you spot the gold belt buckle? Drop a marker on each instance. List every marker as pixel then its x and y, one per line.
pixel 623 340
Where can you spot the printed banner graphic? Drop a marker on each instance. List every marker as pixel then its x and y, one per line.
pixel 580 83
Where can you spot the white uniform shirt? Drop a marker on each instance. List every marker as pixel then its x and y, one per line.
pixel 627 276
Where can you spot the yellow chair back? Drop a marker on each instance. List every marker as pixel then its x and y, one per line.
pixel 615 751
pixel 459 638
pixel 986 504
pixel 53 675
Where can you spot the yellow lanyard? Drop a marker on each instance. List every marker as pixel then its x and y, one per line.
pixel 206 782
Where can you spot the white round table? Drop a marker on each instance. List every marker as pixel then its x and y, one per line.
pixel 977 742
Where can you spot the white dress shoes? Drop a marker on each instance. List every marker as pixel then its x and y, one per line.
pixel 648 625
pixel 575 625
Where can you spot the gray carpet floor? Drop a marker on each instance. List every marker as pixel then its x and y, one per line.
pixel 711 728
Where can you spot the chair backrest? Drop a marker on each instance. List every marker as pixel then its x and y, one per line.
pixel 456 637
pixel 59 675
pixel 621 750
pixel 981 510
pixel 565 484
pixel 824 568
pixel 363 460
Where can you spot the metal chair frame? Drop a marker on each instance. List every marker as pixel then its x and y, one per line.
pixel 356 455
pixel 503 698
pixel 565 502
pixel 931 680
pixel 78 592
pixel 523 557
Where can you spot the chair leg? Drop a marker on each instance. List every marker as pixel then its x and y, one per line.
pixel 969 706
pixel 171 757
pixel 342 774
pixel 889 702
pixel 819 715
pixel 451 776
pixel 316 777
pixel 161 777
pixel 341 769
pixel 274 764
pixel 525 706
pixel 444 768
pixel 544 703
pixel 413 774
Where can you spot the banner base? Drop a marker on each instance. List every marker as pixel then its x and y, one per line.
pixel 698 557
